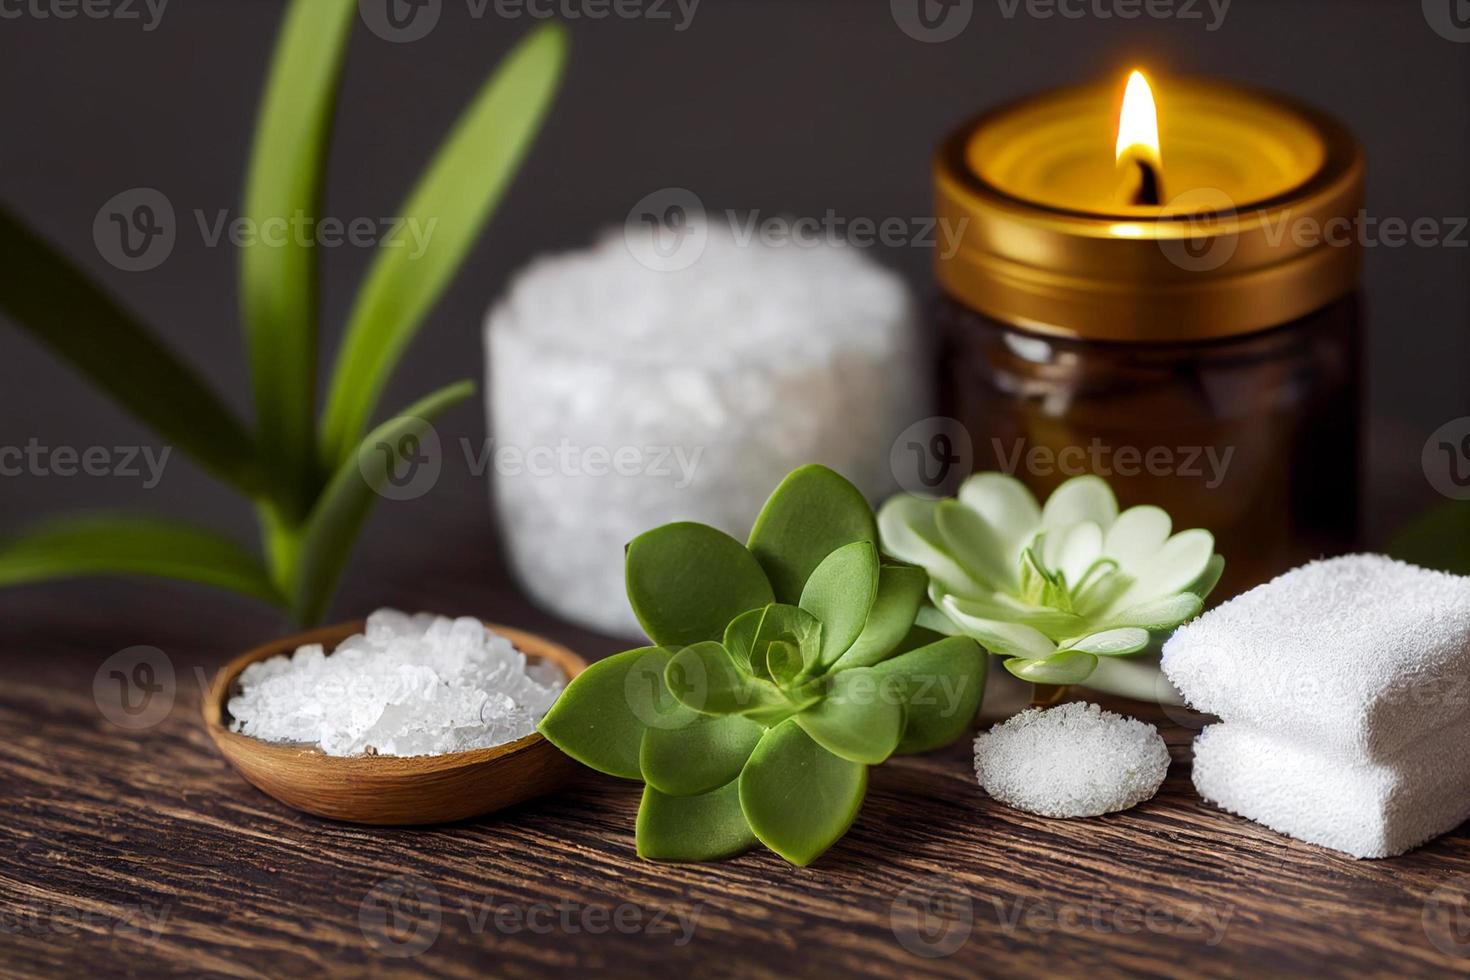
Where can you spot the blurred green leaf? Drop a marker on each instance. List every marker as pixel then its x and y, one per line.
pixel 451 203
pixel 1439 539
pixel 129 545
pixel 62 308
pixel 278 278
pixel 332 526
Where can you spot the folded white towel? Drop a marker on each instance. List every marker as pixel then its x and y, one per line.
pixel 1361 654
pixel 1368 810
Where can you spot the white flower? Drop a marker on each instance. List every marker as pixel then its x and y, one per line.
pixel 1051 588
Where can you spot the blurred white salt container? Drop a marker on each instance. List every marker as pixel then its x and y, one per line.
pixel 626 392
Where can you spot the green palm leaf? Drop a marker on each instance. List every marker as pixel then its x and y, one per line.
pixel 348 498
pixel 120 545
pixel 48 297
pixel 451 203
pixel 278 276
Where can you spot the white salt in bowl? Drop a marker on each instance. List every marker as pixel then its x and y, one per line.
pixel 621 397
pixel 377 789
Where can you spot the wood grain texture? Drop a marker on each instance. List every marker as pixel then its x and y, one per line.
pixel 385 790
pixel 143 853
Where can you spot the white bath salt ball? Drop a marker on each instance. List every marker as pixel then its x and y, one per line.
pixel 1074 760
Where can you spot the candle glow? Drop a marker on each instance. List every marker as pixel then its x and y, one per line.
pixel 1138 123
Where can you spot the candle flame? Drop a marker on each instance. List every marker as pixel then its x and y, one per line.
pixel 1138 123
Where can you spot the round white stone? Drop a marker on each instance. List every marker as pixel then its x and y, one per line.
pixel 1074 760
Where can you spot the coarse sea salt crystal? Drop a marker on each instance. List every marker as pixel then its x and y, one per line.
pixel 1074 760
pixel 622 397
pixel 407 685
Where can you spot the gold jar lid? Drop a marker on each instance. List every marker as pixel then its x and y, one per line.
pixel 1258 224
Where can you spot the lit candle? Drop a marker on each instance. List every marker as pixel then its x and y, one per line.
pixel 1137 149
pixel 1132 296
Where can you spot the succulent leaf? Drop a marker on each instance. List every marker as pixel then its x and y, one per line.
pixel 708 827
pixel 901 591
pixel 687 581
pixel 787 624
pixel 601 717
pixel 860 719
pixel 740 638
pixel 798 798
pixel 699 757
pixel 810 515
pixel 839 594
pixel 705 678
pixel 942 684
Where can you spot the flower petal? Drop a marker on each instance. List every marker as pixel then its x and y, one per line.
pixel 1137 535
pixel 1082 498
pixel 1072 550
pixel 1112 643
pixel 1056 624
pixel 1158 614
pixel 908 530
pixel 1067 667
pixel 1175 567
pixel 974 542
pixel 1008 639
pixel 1007 506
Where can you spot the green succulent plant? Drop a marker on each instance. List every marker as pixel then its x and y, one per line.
pixel 311 480
pixel 780 671
pixel 1051 589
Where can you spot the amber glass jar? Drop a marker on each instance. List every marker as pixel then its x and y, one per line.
pixel 1254 437
pixel 1201 354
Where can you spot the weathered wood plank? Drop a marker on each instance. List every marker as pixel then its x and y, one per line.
pixel 143 854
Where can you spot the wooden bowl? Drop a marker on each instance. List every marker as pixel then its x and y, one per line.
pixel 391 789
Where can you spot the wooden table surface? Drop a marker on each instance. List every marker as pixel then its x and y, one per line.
pixel 140 852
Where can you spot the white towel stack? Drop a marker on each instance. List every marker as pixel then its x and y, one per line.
pixel 1344 692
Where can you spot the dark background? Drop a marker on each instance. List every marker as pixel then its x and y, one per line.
pixel 795 107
